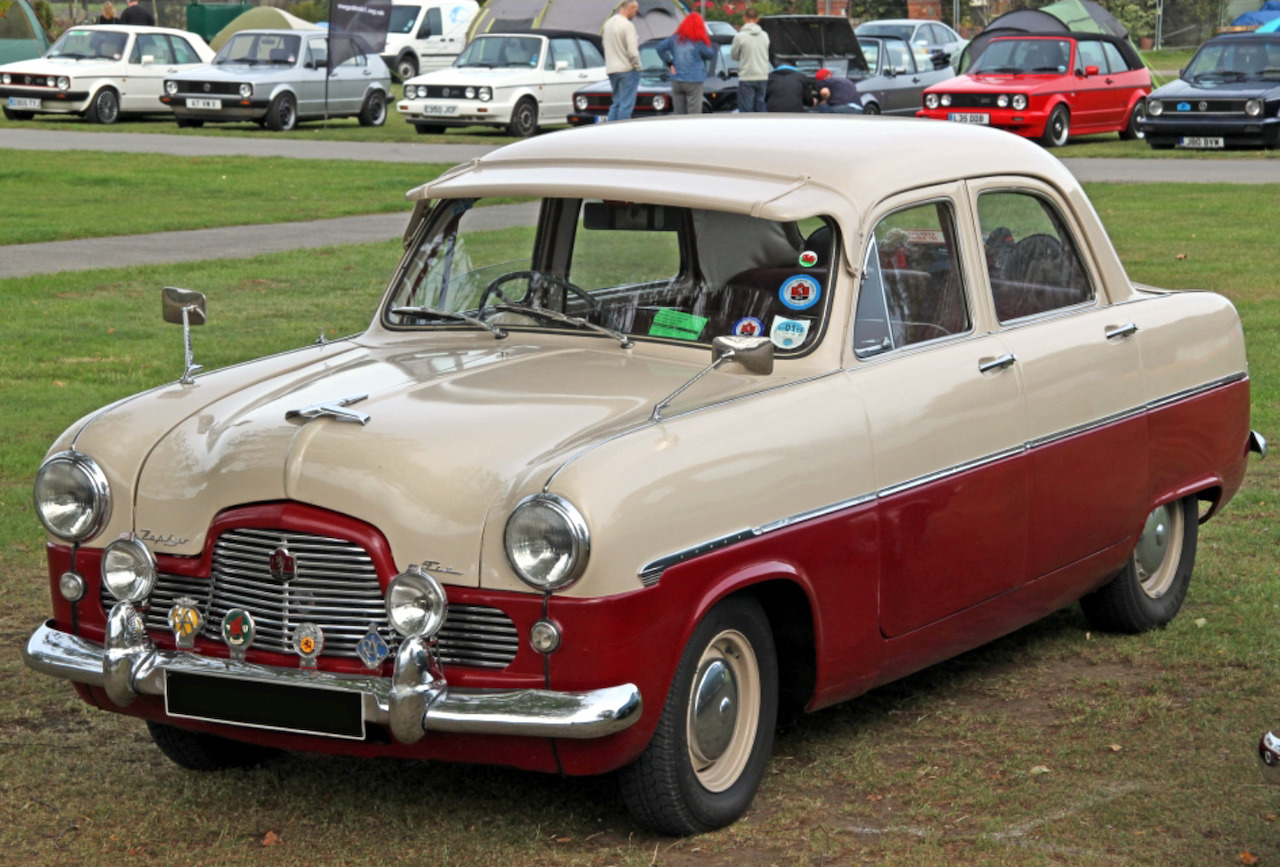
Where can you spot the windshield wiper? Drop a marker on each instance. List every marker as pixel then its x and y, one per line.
pixel 564 319
pixel 1224 74
pixel 1000 70
pixel 434 313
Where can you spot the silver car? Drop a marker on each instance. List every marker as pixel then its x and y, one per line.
pixel 280 77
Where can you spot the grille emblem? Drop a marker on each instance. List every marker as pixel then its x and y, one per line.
pixel 372 648
pixel 238 631
pixel 207 87
pixel 308 641
pixel 283 565
pixel 185 621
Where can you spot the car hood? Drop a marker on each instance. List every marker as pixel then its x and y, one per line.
pixel 63 66
pixel 232 72
pixel 1183 89
pixel 1003 83
pixel 454 432
pixel 648 84
pixel 475 75
pixel 794 37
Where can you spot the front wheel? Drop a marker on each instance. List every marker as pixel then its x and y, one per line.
pixel 1058 129
pixel 429 128
pixel 1149 590
pixel 710 750
pixel 871 108
pixel 524 119
pixel 374 110
pixel 10 114
pixel 406 67
pixel 1137 116
pixel 104 108
pixel 282 113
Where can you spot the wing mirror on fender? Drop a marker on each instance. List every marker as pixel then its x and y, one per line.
pixel 755 354
pixel 186 308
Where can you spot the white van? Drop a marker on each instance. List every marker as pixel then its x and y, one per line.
pixel 426 34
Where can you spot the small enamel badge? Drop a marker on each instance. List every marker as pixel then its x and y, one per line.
pixel 308 641
pixel 185 620
pixel 372 648
pixel 238 631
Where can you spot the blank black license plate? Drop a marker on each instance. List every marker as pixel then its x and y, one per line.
pixel 280 707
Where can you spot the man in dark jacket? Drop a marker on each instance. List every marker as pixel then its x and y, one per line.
pixel 790 90
pixel 136 14
pixel 836 94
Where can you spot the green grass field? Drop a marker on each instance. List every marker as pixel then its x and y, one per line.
pixel 1053 745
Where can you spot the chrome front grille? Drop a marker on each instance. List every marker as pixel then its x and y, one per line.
pixel 335 586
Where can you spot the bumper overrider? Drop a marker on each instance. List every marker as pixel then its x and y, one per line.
pixel 414 700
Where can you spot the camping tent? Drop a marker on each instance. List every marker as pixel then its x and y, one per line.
pixel 1269 12
pixel 1065 16
pixel 262 18
pixel 1271 26
pixel 21 36
pixel 655 20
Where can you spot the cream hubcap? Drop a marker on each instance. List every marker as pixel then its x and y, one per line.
pixel 724 710
pixel 1156 557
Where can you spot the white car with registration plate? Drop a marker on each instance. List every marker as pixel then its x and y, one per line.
pixel 100 72
pixel 519 81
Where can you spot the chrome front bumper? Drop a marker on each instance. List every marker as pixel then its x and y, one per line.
pixel 413 701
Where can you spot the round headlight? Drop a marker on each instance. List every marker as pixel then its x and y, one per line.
pixel 246 90
pixel 1002 101
pixel 1155 108
pixel 421 92
pixel 486 94
pixel 580 102
pixel 6 79
pixel 1019 101
pixel 128 570
pixel 72 497
pixel 416 604
pixel 64 83
pixel 931 100
pixel 171 87
pixel 50 82
pixel 1253 107
pixel 946 99
pixel 471 93
pixel 547 542
pixel 659 102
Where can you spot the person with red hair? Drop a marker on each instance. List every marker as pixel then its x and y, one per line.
pixel 686 52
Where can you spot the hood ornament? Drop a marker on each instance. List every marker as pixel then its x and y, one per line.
pixel 332 408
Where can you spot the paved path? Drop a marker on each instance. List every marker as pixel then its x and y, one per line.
pixel 240 241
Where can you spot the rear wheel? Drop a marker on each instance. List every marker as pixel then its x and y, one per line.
pixel 1058 129
pixel 871 108
pixel 10 114
pixel 406 67
pixel 1137 116
pixel 201 752
pixel 282 113
pixel 374 110
pixel 104 108
pixel 524 119
pixel 1149 590
pixel 712 745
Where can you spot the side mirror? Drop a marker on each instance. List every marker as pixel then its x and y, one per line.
pixel 753 353
pixel 148 59
pixel 562 65
pixel 1090 70
pixel 186 308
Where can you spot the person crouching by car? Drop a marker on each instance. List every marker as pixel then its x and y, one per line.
pixel 836 94
pixel 687 51
pixel 790 90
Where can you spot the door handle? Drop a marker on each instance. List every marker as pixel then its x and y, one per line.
pixel 1120 332
pixel 1001 363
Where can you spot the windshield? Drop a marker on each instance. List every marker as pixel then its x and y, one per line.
pixel 1235 60
pixel 90 45
pixel 1014 56
pixel 496 52
pixel 626 269
pixel 402 19
pixel 902 31
pixel 260 48
pixel 651 65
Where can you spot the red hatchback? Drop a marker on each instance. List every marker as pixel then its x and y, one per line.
pixel 1047 87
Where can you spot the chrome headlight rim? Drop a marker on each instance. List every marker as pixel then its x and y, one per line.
pixel 1002 101
pixel 659 102
pixel 246 90
pixel 1253 107
pixel 1155 108
pixel 128 570
pixel 486 94
pixel 571 563
pixel 98 502
pixel 6 78
pixel 64 83
pixel 945 99
pixel 931 100
pixel 171 88
pixel 1019 102
pixel 416 604
pixel 580 102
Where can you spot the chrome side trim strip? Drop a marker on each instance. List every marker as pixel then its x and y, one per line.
pixel 652 571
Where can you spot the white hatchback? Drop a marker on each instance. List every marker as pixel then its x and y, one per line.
pixel 520 81
pixel 100 72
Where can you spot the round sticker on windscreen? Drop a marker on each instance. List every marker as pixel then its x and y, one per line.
pixel 748 326
pixel 808 259
pixel 788 333
pixel 800 292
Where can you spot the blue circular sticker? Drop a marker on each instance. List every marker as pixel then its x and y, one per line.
pixel 800 292
pixel 748 326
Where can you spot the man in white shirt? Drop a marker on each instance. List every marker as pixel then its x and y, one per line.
pixel 622 59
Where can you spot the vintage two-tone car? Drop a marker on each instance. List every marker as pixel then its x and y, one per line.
pixel 100 73
pixel 713 437
pixel 1228 96
pixel 278 78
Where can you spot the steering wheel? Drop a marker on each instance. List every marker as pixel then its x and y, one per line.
pixel 492 288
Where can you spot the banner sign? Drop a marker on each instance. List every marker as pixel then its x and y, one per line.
pixel 355 27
